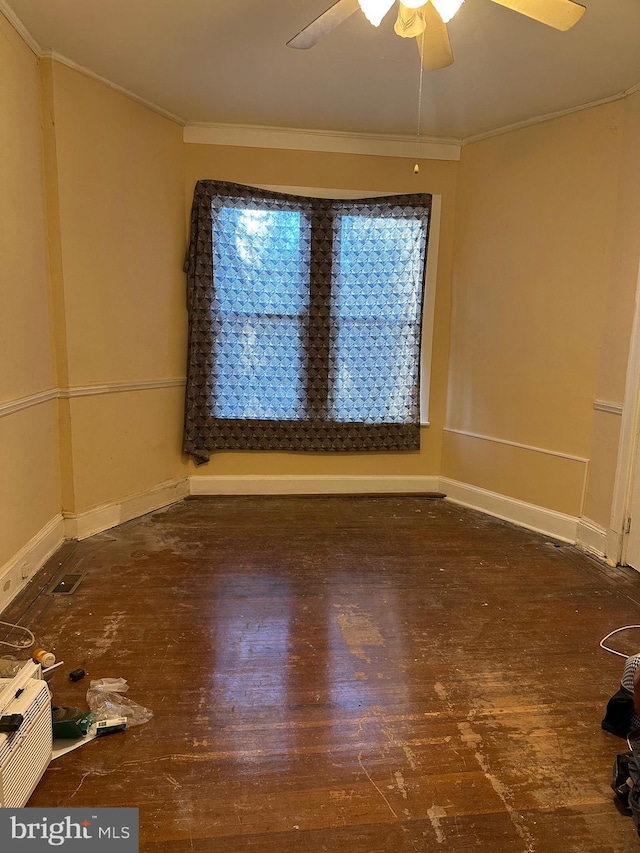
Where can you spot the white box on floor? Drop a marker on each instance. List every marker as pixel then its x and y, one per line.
pixel 24 754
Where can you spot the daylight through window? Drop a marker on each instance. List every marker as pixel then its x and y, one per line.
pixel 305 321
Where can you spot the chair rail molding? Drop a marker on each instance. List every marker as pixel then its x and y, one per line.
pixel 10 407
pixel 19 404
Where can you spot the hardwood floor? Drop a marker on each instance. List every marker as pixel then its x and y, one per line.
pixel 370 674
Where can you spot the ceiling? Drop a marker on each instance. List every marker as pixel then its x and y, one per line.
pixel 227 62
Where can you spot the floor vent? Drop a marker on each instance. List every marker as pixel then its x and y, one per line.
pixel 66 585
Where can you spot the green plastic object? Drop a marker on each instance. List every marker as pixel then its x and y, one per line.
pixel 70 723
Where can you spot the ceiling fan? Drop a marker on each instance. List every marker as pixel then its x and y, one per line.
pixel 426 21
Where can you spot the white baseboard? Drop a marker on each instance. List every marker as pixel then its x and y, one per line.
pixel 319 484
pixel 615 542
pixel 84 524
pixel 592 538
pixel 542 520
pixel 15 574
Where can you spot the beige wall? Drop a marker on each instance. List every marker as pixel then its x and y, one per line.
pixel 535 241
pixel 342 172
pixel 116 190
pixel 617 318
pixel 29 468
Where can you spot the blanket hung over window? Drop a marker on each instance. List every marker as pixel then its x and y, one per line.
pixel 304 321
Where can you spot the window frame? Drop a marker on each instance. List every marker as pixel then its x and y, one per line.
pixel 431 271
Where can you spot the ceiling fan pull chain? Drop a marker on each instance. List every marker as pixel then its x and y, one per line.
pixel 416 168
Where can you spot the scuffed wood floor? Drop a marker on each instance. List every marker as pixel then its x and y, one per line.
pixel 343 673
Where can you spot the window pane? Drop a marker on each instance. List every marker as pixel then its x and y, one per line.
pixel 261 262
pixel 258 371
pixel 380 267
pixel 376 308
pixel 376 372
pixel 260 265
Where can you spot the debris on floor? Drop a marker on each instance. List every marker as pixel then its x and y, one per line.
pixel 110 711
pixel 106 699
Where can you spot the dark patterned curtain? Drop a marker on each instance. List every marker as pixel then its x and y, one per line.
pixel 304 321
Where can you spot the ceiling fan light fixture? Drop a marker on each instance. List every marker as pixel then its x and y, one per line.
pixel 375 10
pixel 447 8
pixel 414 4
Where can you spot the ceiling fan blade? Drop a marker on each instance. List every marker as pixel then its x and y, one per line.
pixel 322 26
pixel 559 14
pixel 433 44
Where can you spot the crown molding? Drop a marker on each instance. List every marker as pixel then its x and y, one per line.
pixel 299 139
pixel 519 125
pixel 20 28
pixel 43 53
pixel 331 141
pixel 156 108
pixel 431 148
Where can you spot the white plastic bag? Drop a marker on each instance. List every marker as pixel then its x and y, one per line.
pixel 106 700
